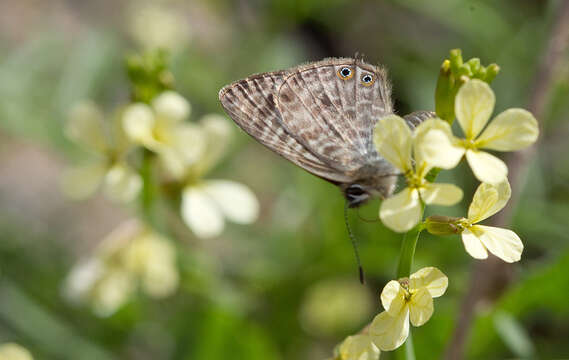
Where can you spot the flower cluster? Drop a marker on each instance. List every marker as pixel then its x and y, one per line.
pixel 187 152
pixel 418 155
pixel 433 145
pixel 149 145
pixel 108 165
pixel 131 257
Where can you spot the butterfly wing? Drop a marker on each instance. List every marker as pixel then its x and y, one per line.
pixel 416 118
pixel 251 103
pixel 332 115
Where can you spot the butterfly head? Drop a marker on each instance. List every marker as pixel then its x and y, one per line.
pixel 359 192
pixel 356 195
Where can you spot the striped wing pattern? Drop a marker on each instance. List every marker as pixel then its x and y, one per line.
pixel 335 117
pixel 251 103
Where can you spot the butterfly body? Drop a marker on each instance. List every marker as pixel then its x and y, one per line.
pixel 321 117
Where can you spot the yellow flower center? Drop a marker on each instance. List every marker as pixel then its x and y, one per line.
pixel 414 180
pixel 404 282
pixel 468 143
pixel 463 224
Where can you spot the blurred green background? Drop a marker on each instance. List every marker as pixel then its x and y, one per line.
pixel 285 287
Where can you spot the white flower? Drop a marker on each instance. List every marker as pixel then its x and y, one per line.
pixel 511 130
pixel 358 347
pixel 161 128
pixel 188 152
pixel 129 257
pixel 396 143
pixel 158 27
pixel 406 300
pixel 479 239
pixel 207 203
pixel 108 167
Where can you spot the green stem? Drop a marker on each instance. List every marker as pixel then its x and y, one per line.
pixel 408 251
pixel 148 189
pixel 409 349
pixel 407 352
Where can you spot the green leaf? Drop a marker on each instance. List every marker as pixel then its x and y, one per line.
pixel 514 335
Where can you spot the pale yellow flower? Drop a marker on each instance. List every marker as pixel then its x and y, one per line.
pixel 323 307
pixel 207 203
pixel 11 351
pixel 479 239
pixel 158 26
pixel 106 141
pixel 132 256
pixel 153 259
pixel 160 127
pixel 406 150
pixel 409 299
pixel 358 347
pixel 511 130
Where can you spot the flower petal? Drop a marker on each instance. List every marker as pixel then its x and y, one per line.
pixel 13 351
pixel 82 181
pixel 171 107
pixel 473 106
pixel 511 130
pixel 488 200
pixel 503 243
pixel 201 213
pixel 216 134
pixel 389 332
pixel 402 211
pixel 122 183
pixel 235 200
pixel 473 245
pixel 441 194
pixel 421 307
pixel 82 279
pixel 138 123
pixel 393 298
pixel 435 145
pixel 85 126
pixel 112 291
pixel 430 278
pixel 190 141
pixel 358 347
pixel 154 258
pixel 173 162
pixel 217 127
pixel 160 280
pixel 393 140
pixel 486 167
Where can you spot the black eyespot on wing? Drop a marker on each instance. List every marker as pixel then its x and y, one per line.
pixel 367 79
pixel 345 73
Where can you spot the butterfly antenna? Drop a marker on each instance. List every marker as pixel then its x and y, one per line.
pixel 354 244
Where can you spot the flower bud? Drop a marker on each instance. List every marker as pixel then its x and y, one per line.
pixel 491 71
pixel 443 225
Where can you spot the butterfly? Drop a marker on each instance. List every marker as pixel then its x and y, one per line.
pixel 321 117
